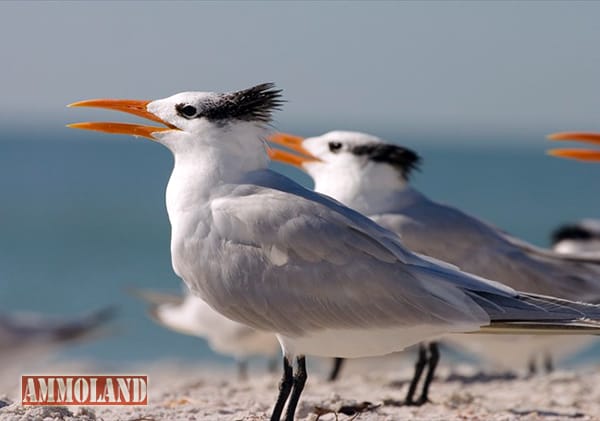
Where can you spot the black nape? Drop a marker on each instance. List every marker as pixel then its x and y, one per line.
pixel 571 232
pixel 403 159
pixel 252 104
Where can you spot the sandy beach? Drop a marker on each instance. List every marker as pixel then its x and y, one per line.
pixel 179 391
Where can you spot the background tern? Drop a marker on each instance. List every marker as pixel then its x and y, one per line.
pixel 373 176
pixel 264 251
pixel 27 336
pixel 581 238
pixel 190 315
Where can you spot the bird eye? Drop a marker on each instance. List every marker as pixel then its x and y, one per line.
pixel 186 111
pixel 335 147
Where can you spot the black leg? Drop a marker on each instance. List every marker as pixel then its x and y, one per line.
pixel 548 364
pixel 243 369
pixel 419 366
pixel 299 381
pixel 335 372
pixel 284 390
pixel 434 358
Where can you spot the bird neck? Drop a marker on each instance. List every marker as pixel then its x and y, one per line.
pixel 366 194
pixel 196 177
pixel 204 163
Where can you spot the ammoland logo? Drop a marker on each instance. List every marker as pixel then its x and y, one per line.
pixel 84 390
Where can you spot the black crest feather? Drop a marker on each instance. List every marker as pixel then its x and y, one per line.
pixel 403 159
pixel 252 104
pixel 571 232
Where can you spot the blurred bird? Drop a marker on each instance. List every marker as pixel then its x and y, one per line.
pixel 580 239
pixel 264 251
pixel 190 315
pixel 25 335
pixel 373 177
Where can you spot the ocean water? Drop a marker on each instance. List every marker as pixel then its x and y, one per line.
pixel 82 217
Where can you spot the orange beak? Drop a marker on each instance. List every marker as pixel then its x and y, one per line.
pixel 130 106
pixel 294 143
pixel 588 155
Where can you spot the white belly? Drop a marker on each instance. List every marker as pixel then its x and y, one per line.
pixel 361 342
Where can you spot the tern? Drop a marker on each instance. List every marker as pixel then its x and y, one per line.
pixel 266 252
pixel 25 334
pixel 373 176
pixel 580 239
pixel 190 315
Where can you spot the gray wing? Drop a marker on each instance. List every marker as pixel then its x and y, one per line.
pixel 314 264
pixel 21 330
pixel 448 234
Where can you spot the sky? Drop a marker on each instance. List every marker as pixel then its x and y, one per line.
pixel 472 67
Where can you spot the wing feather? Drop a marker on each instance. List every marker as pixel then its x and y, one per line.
pixel 297 262
pixel 447 233
pixel 341 270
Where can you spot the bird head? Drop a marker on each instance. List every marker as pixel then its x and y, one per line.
pixel 192 121
pixel 349 157
pixel 578 238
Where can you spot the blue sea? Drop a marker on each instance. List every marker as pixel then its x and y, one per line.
pixel 82 217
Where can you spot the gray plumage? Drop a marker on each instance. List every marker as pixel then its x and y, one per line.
pixel 19 331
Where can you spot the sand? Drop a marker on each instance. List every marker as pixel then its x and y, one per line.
pixel 184 391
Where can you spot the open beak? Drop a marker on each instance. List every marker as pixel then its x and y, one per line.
pixel 295 144
pixel 131 106
pixel 589 155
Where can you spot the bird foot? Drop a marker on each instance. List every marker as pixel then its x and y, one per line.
pixel 423 401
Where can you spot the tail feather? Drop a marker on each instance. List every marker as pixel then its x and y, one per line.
pixel 536 314
pixel 542 328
